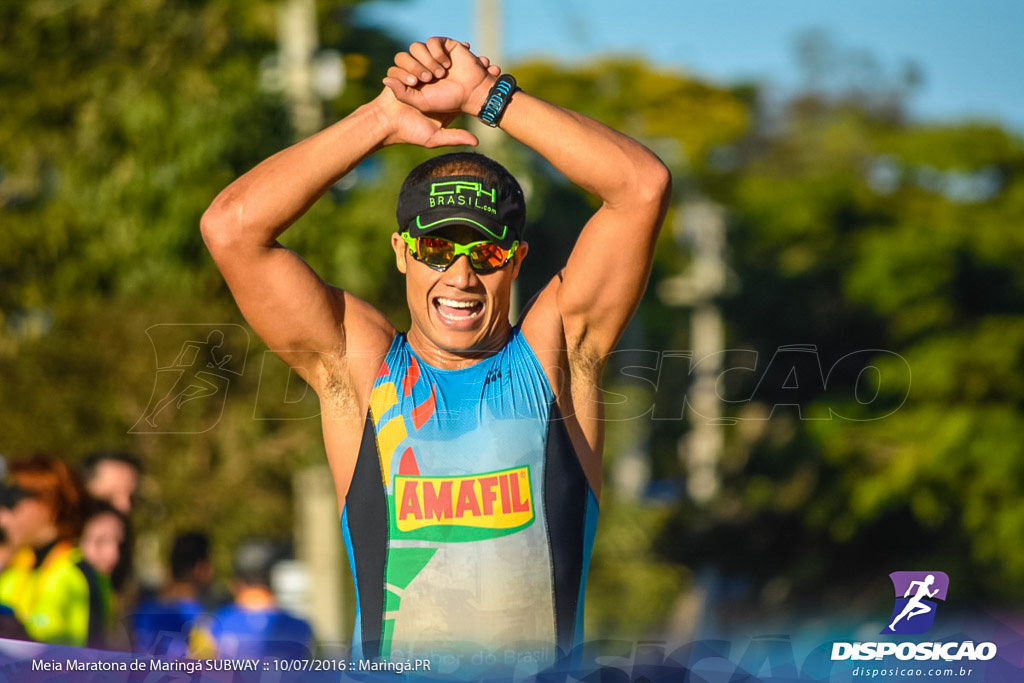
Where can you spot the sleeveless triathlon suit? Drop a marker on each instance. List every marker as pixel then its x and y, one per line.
pixel 469 522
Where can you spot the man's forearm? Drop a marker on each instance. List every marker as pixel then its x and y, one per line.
pixel 595 157
pixel 606 273
pixel 260 205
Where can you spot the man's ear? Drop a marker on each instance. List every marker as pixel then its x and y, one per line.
pixel 517 258
pixel 401 251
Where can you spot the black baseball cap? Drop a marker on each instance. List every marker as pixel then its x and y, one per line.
pixel 497 213
pixel 11 494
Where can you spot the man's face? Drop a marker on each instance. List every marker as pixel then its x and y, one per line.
pixel 115 482
pixel 458 311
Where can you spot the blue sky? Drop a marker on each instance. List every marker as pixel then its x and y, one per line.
pixel 969 51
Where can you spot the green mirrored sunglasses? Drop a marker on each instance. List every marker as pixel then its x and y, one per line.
pixel 440 253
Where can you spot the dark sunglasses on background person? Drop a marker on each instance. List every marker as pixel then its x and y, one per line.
pixel 440 253
pixel 11 494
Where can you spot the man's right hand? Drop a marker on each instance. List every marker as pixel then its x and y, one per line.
pixel 406 124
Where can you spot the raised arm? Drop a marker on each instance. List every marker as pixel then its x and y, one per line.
pixel 295 312
pixel 606 274
pixel 607 271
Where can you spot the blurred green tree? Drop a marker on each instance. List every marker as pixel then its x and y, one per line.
pixel 122 120
pixel 892 248
pixel 690 124
pixel 853 229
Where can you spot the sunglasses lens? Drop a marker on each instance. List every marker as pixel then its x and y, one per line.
pixel 487 256
pixel 439 253
pixel 435 251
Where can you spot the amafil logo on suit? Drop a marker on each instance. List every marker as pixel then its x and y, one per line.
pixel 917 599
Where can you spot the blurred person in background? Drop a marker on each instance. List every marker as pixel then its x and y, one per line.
pixel 56 595
pixel 112 476
pixel 104 534
pixel 163 625
pixel 105 538
pixel 6 550
pixel 254 625
pixel 10 627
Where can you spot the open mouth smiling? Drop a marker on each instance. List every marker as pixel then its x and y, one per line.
pixel 457 310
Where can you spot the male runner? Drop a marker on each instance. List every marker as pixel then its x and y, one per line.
pixel 466 453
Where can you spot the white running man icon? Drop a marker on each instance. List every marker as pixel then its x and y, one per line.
pixel 915 607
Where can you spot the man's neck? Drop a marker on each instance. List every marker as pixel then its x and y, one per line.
pixel 456 359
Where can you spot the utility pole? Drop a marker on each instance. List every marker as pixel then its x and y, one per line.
pixel 487 42
pixel 297 37
pixel 318 548
pixel 304 73
pixel 306 76
pixel 703 230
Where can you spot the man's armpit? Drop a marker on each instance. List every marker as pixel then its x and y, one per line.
pixel 336 387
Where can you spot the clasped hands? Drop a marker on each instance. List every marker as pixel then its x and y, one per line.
pixel 440 79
